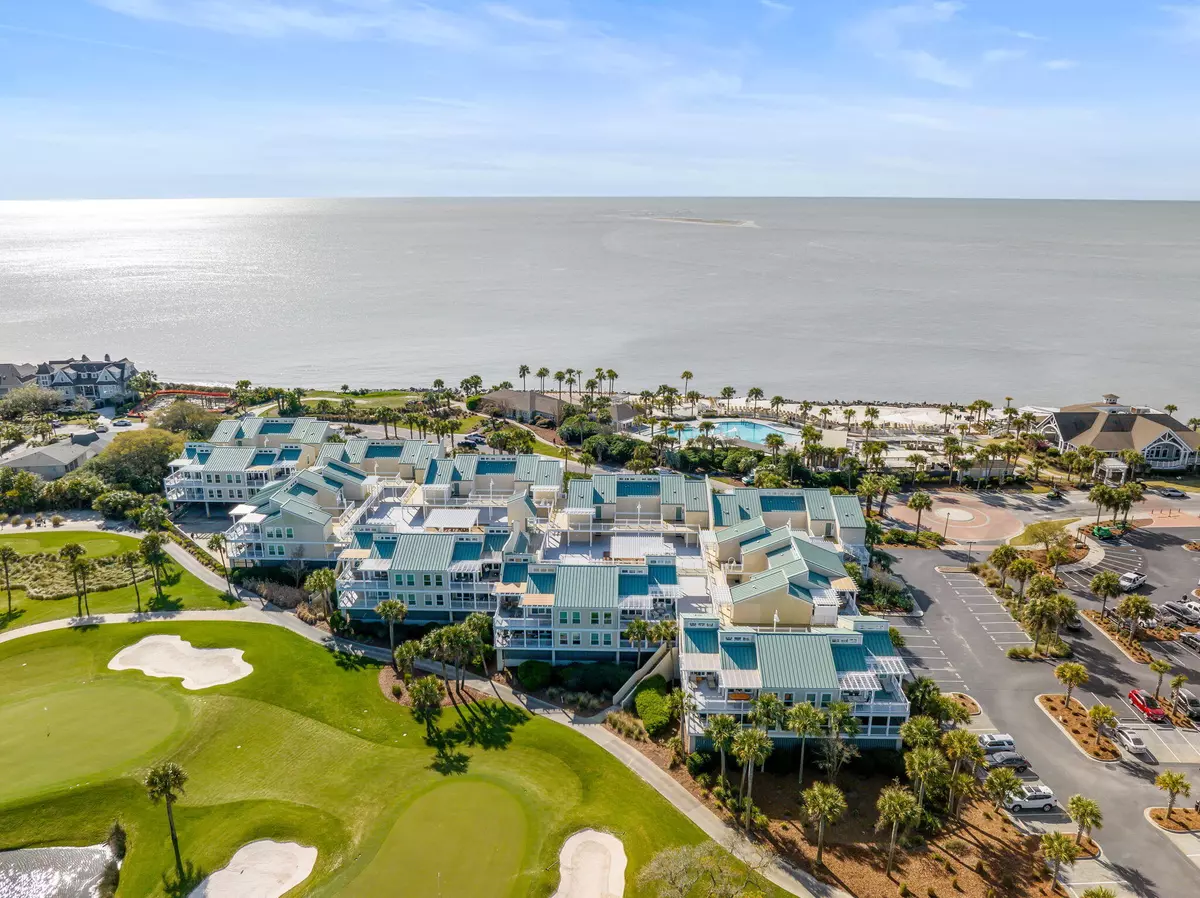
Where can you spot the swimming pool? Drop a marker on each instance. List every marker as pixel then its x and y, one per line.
pixel 748 431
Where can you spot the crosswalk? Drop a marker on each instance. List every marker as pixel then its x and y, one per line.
pixel 925 657
pixel 987 609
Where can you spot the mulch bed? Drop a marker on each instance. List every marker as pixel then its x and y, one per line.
pixel 1038 556
pixel 1182 819
pixel 1134 651
pixel 1075 721
pixel 961 698
pixel 981 851
pixel 388 678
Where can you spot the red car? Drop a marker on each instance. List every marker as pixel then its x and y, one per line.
pixel 1146 703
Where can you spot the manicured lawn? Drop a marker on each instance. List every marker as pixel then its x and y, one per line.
pixel 1022 538
pixel 307 748
pixel 1189 483
pixel 376 399
pixel 181 590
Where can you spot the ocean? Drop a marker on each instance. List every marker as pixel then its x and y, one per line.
pixel 821 299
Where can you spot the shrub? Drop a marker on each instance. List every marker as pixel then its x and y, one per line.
pixel 905 891
pixel 278 594
pixel 116 840
pixel 651 703
pixel 703 779
pixel 1020 652
pixel 896 636
pixel 534 675
pixel 57 520
pixel 398 690
pixel 472 402
pixel 116 503
pixel 696 762
pixel 627 725
pixel 595 678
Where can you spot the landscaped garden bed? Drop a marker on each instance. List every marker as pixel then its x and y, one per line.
pixel 1135 651
pixel 1182 820
pixel 1075 722
pixel 965 701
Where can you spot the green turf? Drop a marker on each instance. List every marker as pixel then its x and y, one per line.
pixel 306 747
pixel 181 589
pixel 97 544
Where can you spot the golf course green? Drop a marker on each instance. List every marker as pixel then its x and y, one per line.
pixel 182 591
pixel 304 748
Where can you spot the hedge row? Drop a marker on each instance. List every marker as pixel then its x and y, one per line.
pixel 181 539
pixel 650 700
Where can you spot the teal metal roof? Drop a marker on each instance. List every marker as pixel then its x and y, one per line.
pixel 289 454
pixel 633 585
pixel 738 656
pixel 795 662
pixel 700 640
pixel 230 458
pixel 302 508
pixel 847 658
pixel 382 450
pixel 384 548
pixel 579 493
pixel 849 511
pixel 778 538
pixel 586 586
pixel 671 488
pixel 345 470
pixel 300 489
pixel 790 501
pixel 542 582
pixel 275 426
pixel 742 531
pixel 514 572
pixel 819 558
pixel 604 487
pixel 265 457
pixel 820 505
pixel 495 466
pixel 878 642
pixel 662 574
pixel 226 431
pixel 467 550
pixel 759 584
pixel 494 542
pixel 363 540
pixel 627 489
pixel 423 551
pixel 695 495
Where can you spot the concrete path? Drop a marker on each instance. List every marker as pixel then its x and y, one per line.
pixel 795 882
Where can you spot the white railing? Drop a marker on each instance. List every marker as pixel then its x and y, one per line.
pixel 243 532
pixel 182 477
pixel 891 709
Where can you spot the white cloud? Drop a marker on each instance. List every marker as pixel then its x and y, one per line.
pixel 998 56
pixel 1060 65
pixel 885 34
pixel 776 7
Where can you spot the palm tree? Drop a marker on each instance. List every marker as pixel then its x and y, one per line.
pixel 897 807
pixel 1022 569
pixel 922 765
pixel 1002 558
pixel 721 730
pixel 1103 497
pixel 165 783
pixel 767 711
pixel 824 804
pixel 541 374
pixel 1162 668
pixel 826 411
pixel 638 631
pixel 1105 585
pixel 1102 717
pixel 1001 785
pixel 806 722
pixel 323 581
pixel 391 612
pixel 1059 849
pixel 1135 609
pixel 426 696
pixel 523 372
pixel 216 543
pixel 686 377
pixel 920 502
pixel 727 395
pixel 774 442
pixel 754 394
pixel 1085 814
pixel 960 745
pixel 680 704
pixel 1170 408
pixel 8 557
pixel 69 554
pixel 887 484
pixel 920 731
pixel 1099 892
pixel 1177 683
pixel 751 746
pixel 776 404
pixel 1174 784
pixel 1071 674
pixel 130 560
pixel 152 553
pixel 560 376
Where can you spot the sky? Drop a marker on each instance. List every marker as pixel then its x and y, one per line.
pixel 991 98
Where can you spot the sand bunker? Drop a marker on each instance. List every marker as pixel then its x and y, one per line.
pixel 262 869
pixel 172 656
pixel 591 865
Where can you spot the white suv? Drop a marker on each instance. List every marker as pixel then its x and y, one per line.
pixel 1032 797
pixel 994 742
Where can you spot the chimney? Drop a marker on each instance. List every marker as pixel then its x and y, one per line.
pixel 107 357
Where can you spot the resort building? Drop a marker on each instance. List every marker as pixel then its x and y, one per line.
pixel 270 433
pixel 404 459
pixel 1111 428
pixel 100 382
pixel 837 520
pixel 207 472
pixel 524 405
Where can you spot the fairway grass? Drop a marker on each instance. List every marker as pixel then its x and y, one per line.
pixel 182 591
pixel 307 749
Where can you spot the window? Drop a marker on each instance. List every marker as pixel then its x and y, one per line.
pixel 229 478
pixel 441 600
pixel 426 580
pixel 428 601
pixel 237 478
pixel 608 617
pixel 399 579
pixel 562 617
pixel 825 697
pixel 290 534
pixel 239 494
pixel 411 580
pixel 270 550
pixel 574 617
pixel 437 579
pixel 595 618
pixel 595 639
pixel 788 699
pixel 562 638
pixel 608 639
pixel 218 493
pixel 576 639
pixel 208 478
pixel 811 698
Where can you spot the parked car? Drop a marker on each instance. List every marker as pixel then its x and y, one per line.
pixel 1130 741
pixel 1131 580
pixel 1191 606
pixel 1011 759
pixel 1032 797
pixel 467 444
pixel 1191 640
pixel 122 423
pixel 1075 622
pixel 1147 705
pixel 1055 494
pixel 1171 493
pixel 994 742
pixel 1187 703
pixel 1181 611
pixel 101 428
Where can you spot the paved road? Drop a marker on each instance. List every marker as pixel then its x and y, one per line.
pixel 965 647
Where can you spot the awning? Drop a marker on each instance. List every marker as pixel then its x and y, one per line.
pixel 254 517
pixel 697 661
pixel 741 679
pixel 542 599
pixel 629 546
pixel 452 518
pixel 375 564
pixel 859 681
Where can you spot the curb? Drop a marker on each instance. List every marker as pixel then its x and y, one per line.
pixel 1063 730
pixel 1164 831
pixel 1094 556
pixel 1099 629
pixel 972 698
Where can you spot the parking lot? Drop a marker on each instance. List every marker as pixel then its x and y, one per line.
pixel 1121 556
pixel 987 609
pixel 925 657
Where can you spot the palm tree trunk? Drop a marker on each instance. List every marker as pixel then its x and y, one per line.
pixel 749 796
pixel 174 839
pixel 392 641
pixel 892 848
pixel 803 746
pixel 722 750
pixel 742 784
pixel 820 840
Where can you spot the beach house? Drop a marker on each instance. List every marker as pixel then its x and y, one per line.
pixel 100 382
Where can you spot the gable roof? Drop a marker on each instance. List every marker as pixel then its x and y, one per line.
pixel 586 586
pixel 423 551
pixel 793 661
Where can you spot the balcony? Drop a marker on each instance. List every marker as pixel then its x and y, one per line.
pixel 881 709
pixel 185 494
pixel 182 477
pixel 522 641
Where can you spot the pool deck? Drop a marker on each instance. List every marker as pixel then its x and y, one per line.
pixel 791 434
